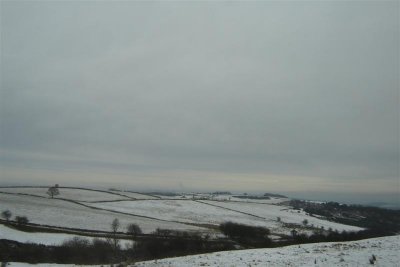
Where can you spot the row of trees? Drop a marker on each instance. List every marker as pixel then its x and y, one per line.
pixel 7 214
pixel 132 229
pixel 254 236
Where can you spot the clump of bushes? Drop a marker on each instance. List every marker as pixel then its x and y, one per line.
pixel 248 235
pixel 21 220
pixel 6 214
pixel 84 251
pixel 169 243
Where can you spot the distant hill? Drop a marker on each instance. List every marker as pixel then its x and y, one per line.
pixel 274 195
pixel 222 193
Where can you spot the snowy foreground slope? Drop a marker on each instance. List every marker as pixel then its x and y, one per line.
pixel 355 253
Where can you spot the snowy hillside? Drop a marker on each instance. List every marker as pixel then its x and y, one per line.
pixel 56 212
pixel 43 238
pixel 95 210
pixel 181 210
pixel 285 213
pixel 38 238
pixel 355 253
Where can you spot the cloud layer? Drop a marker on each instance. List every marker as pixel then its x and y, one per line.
pixel 285 96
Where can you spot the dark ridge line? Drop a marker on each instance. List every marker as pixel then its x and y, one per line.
pixel 97 190
pixel 134 200
pixel 56 229
pixel 77 231
pixel 106 201
pixel 22 194
pixel 129 197
pixel 71 187
pixel 24 186
pixel 252 202
pixel 245 213
pixel 144 194
pixel 85 201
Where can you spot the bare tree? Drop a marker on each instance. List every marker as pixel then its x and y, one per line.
pixel 293 232
pixel 115 225
pixel 133 230
pixel 53 191
pixel 6 214
pixel 113 239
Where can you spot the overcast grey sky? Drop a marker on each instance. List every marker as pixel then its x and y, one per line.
pixel 270 96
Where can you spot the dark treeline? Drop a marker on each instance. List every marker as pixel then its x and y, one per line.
pixel 246 235
pixel 174 243
pixel 377 219
pixel 78 251
pixel 257 237
pixel 99 251
pixel 331 236
pixel 254 197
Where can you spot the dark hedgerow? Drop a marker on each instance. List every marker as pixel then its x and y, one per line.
pixel 256 236
pixel 21 220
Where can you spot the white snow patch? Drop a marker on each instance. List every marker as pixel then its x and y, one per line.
pixel 183 211
pixel 44 238
pixel 27 237
pixel 286 213
pixel 355 253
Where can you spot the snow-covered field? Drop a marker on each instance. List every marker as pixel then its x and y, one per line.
pixel 38 238
pixel 56 212
pixel 287 214
pixel 216 212
pixel 163 213
pixel 42 238
pixel 182 211
pixel 355 253
pixel 94 210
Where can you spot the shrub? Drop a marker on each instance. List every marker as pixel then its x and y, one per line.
pixel 53 191
pixel 21 220
pixel 247 235
pixel 6 214
pixel 134 230
pixel 241 230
